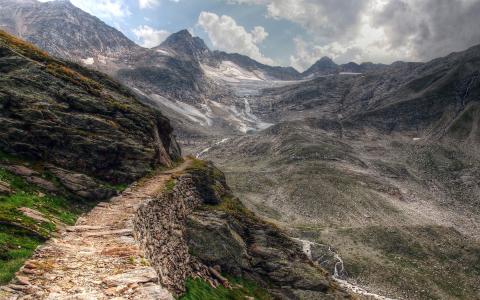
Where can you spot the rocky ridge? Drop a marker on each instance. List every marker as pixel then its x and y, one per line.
pixel 59 112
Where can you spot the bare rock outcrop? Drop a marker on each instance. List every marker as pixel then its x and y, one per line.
pixel 197 228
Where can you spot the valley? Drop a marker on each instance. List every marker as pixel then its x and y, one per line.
pixel 372 170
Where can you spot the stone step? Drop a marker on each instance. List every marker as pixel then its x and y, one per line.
pixel 109 232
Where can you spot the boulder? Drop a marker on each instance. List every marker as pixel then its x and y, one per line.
pixel 82 185
pixel 5 188
pixel 43 184
pixel 20 170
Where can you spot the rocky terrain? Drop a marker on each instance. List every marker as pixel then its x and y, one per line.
pixel 70 137
pixel 73 137
pixel 373 168
pixel 163 230
pixel 202 91
pixel 76 118
pixel 45 25
pixel 383 167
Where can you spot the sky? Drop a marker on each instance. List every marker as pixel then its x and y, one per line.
pixel 299 32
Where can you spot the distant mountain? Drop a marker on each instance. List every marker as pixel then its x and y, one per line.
pixel 63 30
pixel 424 98
pixel 277 73
pixel 184 44
pixel 326 66
pixel 323 66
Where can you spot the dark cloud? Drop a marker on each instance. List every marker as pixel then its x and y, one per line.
pixel 430 28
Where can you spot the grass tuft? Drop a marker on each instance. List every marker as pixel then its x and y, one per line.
pixel 198 289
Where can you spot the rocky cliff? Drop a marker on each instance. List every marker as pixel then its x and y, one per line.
pixel 196 227
pixel 59 112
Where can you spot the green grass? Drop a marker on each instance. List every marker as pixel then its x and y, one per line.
pixel 19 234
pixel 198 289
pixel 232 206
pixel 16 246
pixel 27 195
pixel 170 185
pixel 424 262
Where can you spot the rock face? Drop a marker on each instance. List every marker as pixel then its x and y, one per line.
pixel 184 44
pixel 323 66
pixel 82 185
pixel 76 118
pixel 198 225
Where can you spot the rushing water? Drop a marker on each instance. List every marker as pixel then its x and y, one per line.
pixel 339 271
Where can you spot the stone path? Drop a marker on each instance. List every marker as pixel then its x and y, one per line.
pixel 97 258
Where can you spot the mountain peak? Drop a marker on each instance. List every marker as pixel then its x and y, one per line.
pixel 323 66
pixel 325 59
pixel 183 43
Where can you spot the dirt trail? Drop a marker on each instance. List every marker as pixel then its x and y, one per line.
pixel 97 258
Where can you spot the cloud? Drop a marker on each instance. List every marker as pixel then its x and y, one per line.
pixel 104 9
pixel 306 54
pixel 327 19
pixel 430 28
pixel 147 3
pixel 149 37
pixel 259 34
pixel 225 34
pixel 376 30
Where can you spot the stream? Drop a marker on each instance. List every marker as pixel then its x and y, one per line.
pixel 200 153
pixel 339 271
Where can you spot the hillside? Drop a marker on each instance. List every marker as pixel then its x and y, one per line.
pixel 62 113
pixel 382 167
pixel 372 168
pixel 69 137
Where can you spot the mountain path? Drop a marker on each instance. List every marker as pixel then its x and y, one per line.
pixel 97 258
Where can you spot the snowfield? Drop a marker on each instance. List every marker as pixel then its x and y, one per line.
pixel 230 72
pixel 189 111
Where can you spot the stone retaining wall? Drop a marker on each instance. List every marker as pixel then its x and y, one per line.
pixel 159 226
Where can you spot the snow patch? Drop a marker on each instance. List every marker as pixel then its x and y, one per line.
pixel 164 52
pixel 243 120
pixel 350 73
pixel 199 154
pixel 88 61
pixel 185 109
pixel 230 72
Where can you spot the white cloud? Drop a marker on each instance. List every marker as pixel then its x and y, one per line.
pixel 376 30
pixel 326 18
pixel 259 34
pixel 150 37
pixel 104 9
pixel 225 34
pixel 147 3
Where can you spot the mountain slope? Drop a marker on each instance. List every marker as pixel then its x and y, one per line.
pixel 381 167
pixel 79 119
pixel 46 25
